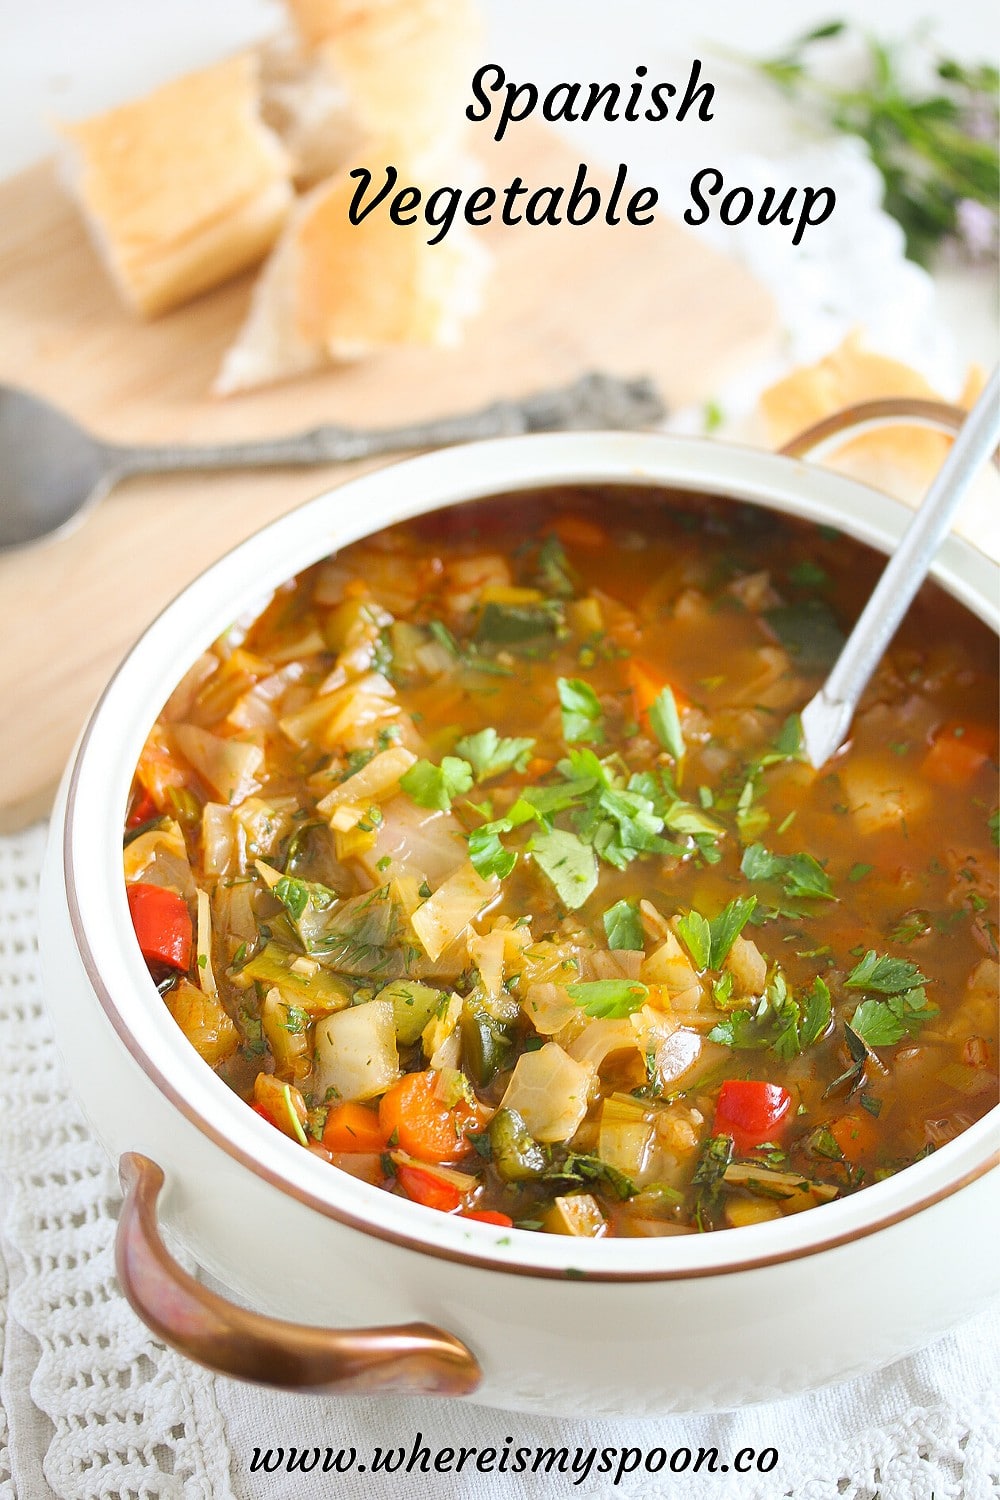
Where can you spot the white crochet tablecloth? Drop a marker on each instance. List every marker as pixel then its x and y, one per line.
pixel 91 1406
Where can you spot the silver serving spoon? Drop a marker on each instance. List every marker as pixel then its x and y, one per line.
pixel 52 471
pixel 827 717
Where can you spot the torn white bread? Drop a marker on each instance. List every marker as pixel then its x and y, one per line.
pixel 335 291
pixel 405 65
pixel 306 104
pixel 183 188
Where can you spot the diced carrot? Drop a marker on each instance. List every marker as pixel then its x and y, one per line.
pixel 355 588
pixel 647 683
pixel 957 752
pixel 489 1216
pixel 428 1189
pixel 420 1122
pixel 580 531
pixel 855 1134
pixel 538 765
pixel 354 1127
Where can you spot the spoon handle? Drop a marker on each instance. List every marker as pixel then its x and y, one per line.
pixel 595 400
pixel 827 718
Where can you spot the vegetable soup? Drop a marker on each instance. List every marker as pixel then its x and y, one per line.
pixel 485 863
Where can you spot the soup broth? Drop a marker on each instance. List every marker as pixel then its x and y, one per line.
pixel 486 864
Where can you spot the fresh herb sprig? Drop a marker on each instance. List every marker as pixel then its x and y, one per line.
pixel 934 148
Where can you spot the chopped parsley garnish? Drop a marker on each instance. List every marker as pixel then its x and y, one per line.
pixel 798 874
pixel 777 1021
pixel 623 926
pixel 490 755
pixel 435 786
pixel 666 724
pixel 882 1023
pixel 608 999
pixel 709 942
pixel 488 855
pixel 568 862
pixel 580 1169
pixel 884 975
pixel 582 715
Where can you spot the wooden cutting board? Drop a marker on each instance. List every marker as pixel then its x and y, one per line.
pixel 653 300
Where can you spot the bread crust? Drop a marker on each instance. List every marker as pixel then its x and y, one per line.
pixel 183 188
pixel 335 291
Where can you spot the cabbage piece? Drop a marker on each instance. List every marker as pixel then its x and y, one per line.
pixel 550 1009
pixel 229 767
pixel 220 854
pixel 301 982
pixel 413 1006
pixel 206 974
pixel 442 918
pixel 598 1040
pixel 159 857
pixel 379 778
pixel 418 841
pixel 670 966
pixel 204 1021
pixel 356 1055
pixel 549 1090
pixel 286 1028
pixel 578 1214
pixel 625 1136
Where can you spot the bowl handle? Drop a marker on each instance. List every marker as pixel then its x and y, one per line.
pixel 409 1358
pixel 905 409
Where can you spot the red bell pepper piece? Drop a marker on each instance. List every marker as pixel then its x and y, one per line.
pixel 143 808
pixel 489 1216
pixel 428 1189
pixel 750 1111
pixel 162 924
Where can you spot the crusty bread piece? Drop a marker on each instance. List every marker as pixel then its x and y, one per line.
pixel 183 188
pixel 405 64
pixel 900 459
pixel 308 107
pixel 335 291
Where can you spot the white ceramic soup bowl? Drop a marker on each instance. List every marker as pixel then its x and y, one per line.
pixel 358 1289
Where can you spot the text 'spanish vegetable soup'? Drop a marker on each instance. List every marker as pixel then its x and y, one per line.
pixel 485 864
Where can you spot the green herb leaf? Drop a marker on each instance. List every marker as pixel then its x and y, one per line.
pixel 882 1023
pixel 434 786
pixel 666 724
pixel 487 853
pixel 623 926
pixel 489 755
pixel 696 935
pixel 296 896
pixel 727 926
pixel 809 632
pixel 816 1013
pixel 515 624
pixel 554 572
pixel 568 862
pixel 716 1155
pixel 885 975
pixel 579 1169
pixel 799 874
pixel 582 716
pixel 609 999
